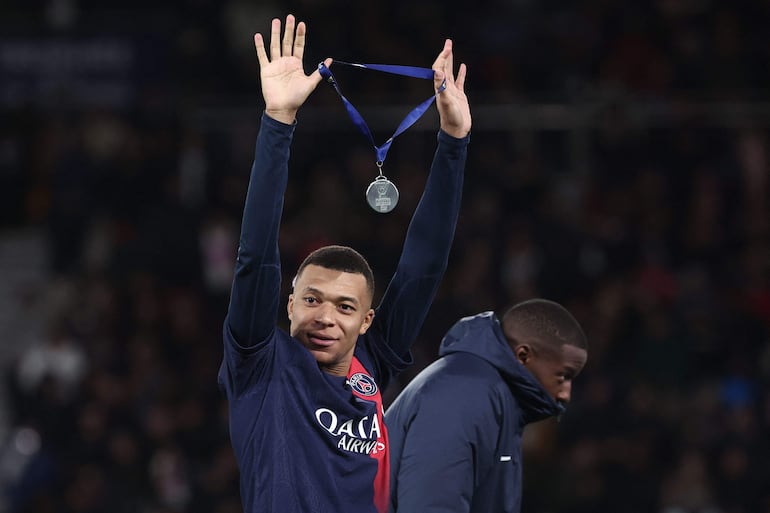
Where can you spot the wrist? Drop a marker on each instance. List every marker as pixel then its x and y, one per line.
pixel 286 116
pixel 455 131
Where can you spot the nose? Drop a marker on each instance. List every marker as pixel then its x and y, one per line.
pixel 324 314
pixel 565 392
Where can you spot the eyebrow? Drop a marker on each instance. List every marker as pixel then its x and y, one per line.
pixel 338 299
pixel 572 369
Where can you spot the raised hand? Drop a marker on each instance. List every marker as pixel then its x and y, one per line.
pixel 452 104
pixel 285 87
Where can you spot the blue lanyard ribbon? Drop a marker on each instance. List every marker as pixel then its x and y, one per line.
pixel 358 120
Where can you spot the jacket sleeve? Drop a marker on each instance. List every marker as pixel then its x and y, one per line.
pixel 255 294
pixel 425 255
pixel 444 452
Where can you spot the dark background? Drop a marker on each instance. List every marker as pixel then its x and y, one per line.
pixel 619 165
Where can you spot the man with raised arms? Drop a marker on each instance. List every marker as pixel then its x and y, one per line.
pixel 306 417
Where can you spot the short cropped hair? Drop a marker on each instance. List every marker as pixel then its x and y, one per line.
pixel 544 323
pixel 339 258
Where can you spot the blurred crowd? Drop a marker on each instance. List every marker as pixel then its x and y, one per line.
pixel 126 140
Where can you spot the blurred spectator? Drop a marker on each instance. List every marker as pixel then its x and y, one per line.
pixel 59 362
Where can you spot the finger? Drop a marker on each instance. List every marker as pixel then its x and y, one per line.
pixel 259 44
pixel 275 39
pixel 316 75
pixel 460 82
pixel 449 64
pixel 438 64
pixel 288 36
pixel 299 41
pixel 438 79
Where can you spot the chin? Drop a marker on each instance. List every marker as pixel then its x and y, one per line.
pixel 321 356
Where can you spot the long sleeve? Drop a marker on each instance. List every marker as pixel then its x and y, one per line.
pixel 425 255
pixel 255 295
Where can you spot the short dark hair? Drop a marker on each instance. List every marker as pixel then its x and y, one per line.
pixel 543 322
pixel 340 258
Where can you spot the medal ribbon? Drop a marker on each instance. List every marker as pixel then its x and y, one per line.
pixel 358 120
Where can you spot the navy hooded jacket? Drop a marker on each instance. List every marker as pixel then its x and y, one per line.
pixel 455 430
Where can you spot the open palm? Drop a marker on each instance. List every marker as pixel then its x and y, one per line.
pixel 285 87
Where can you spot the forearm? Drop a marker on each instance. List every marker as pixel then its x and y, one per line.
pixel 426 249
pixel 256 286
pixel 431 231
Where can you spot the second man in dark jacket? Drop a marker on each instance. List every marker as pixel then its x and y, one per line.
pixel 456 429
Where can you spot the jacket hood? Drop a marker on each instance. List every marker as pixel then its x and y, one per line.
pixel 482 335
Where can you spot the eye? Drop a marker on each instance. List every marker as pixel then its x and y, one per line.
pixel 310 300
pixel 346 308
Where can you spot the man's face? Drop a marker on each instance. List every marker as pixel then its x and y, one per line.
pixel 328 311
pixel 555 370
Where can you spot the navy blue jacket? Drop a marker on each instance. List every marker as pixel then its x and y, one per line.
pixel 455 430
pixel 307 441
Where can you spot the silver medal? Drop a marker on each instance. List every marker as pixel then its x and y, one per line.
pixel 382 195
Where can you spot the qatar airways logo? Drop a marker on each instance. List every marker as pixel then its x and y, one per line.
pixel 353 435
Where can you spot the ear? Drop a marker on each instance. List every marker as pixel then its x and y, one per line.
pixel 290 305
pixel 523 353
pixel 368 318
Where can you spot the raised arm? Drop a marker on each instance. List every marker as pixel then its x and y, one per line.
pixel 429 237
pixel 255 296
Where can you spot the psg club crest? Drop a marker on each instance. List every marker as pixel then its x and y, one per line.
pixel 363 384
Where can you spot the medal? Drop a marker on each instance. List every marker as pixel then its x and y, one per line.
pixel 382 195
